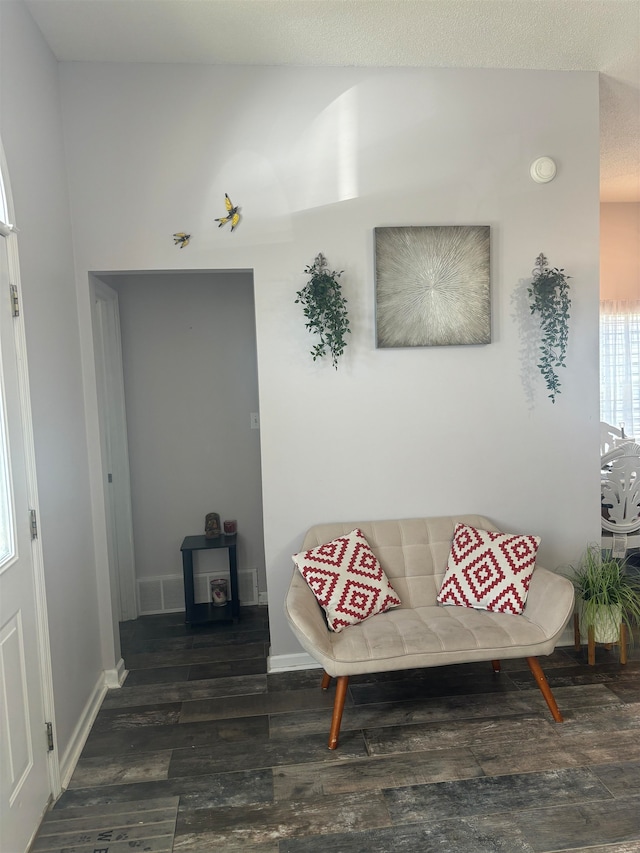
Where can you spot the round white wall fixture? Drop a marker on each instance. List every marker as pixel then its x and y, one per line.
pixel 543 170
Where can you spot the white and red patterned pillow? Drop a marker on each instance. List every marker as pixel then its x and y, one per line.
pixel 347 579
pixel 489 571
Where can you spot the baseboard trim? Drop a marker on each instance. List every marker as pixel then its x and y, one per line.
pixel 81 731
pixel 287 663
pixel 115 677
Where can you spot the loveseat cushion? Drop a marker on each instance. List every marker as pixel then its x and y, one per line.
pixel 347 580
pixel 487 570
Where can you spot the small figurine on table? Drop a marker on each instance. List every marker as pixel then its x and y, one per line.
pixel 212 525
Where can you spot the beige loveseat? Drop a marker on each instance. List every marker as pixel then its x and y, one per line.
pixel 422 633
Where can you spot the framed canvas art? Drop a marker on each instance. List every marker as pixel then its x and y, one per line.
pixel 432 286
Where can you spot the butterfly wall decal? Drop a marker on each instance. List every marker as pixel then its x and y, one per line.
pixel 232 214
pixel 181 239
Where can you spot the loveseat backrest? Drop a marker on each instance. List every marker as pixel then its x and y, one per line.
pixel 413 551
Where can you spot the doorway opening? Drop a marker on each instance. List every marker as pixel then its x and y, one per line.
pixel 189 441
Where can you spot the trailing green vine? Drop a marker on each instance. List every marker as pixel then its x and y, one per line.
pixel 325 310
pixel 549 297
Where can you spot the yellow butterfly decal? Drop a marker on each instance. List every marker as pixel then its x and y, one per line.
pixel 181 239
pixel 232 214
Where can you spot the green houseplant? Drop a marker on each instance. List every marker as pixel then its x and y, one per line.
pixel 325 310
pixel 549 298
pixel 607 595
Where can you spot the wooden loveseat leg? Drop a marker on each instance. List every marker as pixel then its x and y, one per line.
pixel 326 681
pixel 543 684
pixel 342 682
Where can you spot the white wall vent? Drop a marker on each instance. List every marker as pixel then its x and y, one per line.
pixel 248 584
pixel 165 594
pixel 160 595
pixel 150 595
pixel 173 593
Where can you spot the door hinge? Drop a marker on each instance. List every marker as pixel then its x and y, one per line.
pixel 15 302
pixel 49 736
pixel 34 523
pixel 110 478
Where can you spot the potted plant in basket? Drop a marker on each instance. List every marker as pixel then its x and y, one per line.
pixel 607 595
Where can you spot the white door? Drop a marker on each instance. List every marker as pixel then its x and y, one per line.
pixel 107 347
pixel 25 785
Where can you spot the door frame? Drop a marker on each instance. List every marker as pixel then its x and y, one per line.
pixel 114 453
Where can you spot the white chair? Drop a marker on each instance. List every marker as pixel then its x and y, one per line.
pixel 612 437
pixel 620 490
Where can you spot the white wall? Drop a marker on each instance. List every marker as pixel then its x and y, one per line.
pixel 317 158
pixel 80 622
pixel 191 383
pixel 620 251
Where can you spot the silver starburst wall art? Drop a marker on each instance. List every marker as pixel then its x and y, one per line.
pixel 432 286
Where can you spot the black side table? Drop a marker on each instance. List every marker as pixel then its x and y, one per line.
pixel 208 612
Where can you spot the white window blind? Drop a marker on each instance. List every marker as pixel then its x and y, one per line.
pixel 620 364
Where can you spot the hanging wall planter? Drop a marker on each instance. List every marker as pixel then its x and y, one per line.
pixel 325 310
pixel 549 298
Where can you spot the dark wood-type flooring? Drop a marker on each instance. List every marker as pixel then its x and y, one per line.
pixel 201 750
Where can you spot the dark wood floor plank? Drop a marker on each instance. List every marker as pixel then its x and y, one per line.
pixel 612 821
pixel 429 685
pixel 130 697
pixel 185 736
pixel 109 810
pixel 263 703
pixel 119 719
pixel 387 714
pixel 427 736
pixel 234 788
pixel 201 654
pixel 112 770
pixel 227 668
pixel 525 756
pixel 495 794
pixel 160 844
pixel 458 835
pixel 621 847
pixel 311 779
pixel 145 826
pixel 188 762
pixel 621 779
pixel 130 833
pixel 157 675
pixel 225 829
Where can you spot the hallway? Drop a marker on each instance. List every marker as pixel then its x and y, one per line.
pixel 201 750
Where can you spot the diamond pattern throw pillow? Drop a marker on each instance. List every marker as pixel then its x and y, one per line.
pixel 489 571
pixel 347 579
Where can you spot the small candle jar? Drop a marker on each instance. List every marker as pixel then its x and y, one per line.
pixel 230 528
pixel 219 592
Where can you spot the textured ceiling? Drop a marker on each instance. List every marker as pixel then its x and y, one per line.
pixel 572 35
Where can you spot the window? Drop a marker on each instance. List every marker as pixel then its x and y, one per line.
pixel 620 364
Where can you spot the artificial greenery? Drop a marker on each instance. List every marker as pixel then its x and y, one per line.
pixel 602 581
pixel 325 310
pixel 549 297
